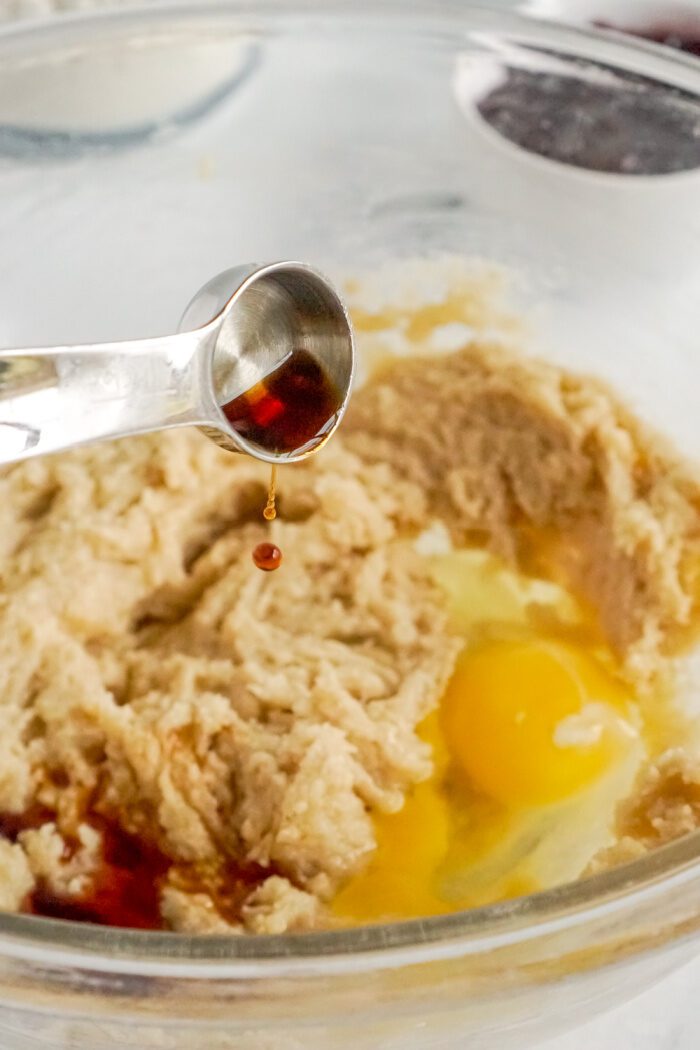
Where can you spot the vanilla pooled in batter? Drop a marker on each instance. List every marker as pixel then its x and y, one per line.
pixel 456 688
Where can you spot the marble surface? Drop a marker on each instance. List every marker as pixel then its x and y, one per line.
pixel 11 10
pixel 665 1018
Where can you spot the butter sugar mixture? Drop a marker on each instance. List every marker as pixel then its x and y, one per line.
pixel 245 734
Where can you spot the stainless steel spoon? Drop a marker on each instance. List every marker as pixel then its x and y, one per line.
pixel 239 328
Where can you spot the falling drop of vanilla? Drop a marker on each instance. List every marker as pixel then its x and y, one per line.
pixel 270 511
pixel 268 556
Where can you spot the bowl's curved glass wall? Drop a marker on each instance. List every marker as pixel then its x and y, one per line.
pixel 140 154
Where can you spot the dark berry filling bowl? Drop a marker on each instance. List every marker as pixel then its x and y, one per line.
pixel 675 24
pixel 142 151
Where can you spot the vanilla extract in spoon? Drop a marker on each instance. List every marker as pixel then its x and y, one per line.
pixel 296 405
pixel 292 409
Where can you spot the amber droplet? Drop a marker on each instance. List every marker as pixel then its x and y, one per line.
pixel 267 556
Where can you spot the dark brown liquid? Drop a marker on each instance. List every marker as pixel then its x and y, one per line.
pixel 682 38
pixel 228 884
pixel 292 408
pixel 125 891
pixel 12 824
pixel 267 556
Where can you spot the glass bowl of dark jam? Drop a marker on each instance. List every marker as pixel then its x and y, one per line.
pixel 142 151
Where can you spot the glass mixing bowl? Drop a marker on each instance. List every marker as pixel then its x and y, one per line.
pixel 140 154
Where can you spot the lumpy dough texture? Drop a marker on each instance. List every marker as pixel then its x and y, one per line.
pixel 515 454
pixel 151 675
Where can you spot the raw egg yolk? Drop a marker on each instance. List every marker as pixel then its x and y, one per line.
pixel 399 880
pixel 533 722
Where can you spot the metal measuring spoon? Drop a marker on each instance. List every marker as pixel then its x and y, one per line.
pixel 237 332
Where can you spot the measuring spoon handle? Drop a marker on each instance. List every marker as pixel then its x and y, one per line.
pixel 52 399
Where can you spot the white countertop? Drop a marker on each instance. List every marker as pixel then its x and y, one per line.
pixel 664 1018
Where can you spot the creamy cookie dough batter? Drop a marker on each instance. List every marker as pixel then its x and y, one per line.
pixel 249 728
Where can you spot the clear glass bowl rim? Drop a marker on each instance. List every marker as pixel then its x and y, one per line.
pixel 610 894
